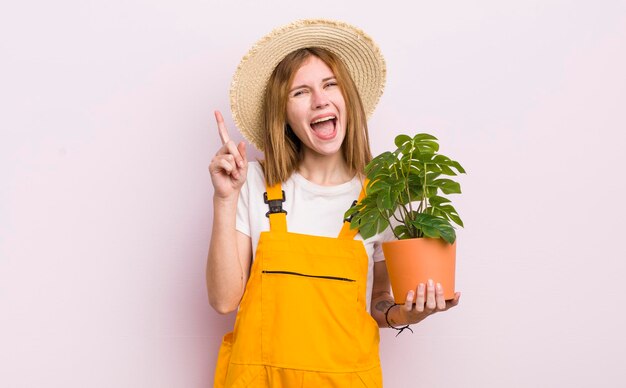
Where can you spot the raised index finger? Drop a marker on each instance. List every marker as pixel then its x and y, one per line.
pixel 221 127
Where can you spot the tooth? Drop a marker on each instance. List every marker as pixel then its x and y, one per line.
pixel 324 119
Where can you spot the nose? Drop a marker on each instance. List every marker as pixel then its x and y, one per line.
pixel 319 99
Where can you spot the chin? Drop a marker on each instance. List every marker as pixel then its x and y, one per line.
pixel 327 150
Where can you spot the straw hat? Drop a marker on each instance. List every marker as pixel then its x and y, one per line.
pixel 356 49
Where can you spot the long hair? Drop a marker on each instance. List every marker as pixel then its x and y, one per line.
pixel 282 146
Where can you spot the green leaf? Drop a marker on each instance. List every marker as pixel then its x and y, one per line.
pixel 446 170
pixel 430 231
pixel 403 232
pixel 383 202
pixel 379 163
pixel 376 225
pixel 437 213
pixel 406 159
pixel 433 168
pixel 400 140
pixel 456 219
pixel 424 158
pixel 407 149
pixel 366 224
pixel 458 167
pixel 353 210
pixel 447 186
pixel 367 230
pixel 437 200
pixel 447 211
pixel 430 191
pixel 423 136
pixel 399 185
pixel 417 192
pixel 428 147
pixel 442 160
pixel 376 185
pixel 452 214
pixel 432 176
pixel 435 227
pixel 417 169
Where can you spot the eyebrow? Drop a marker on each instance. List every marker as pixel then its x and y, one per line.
pixel 304 86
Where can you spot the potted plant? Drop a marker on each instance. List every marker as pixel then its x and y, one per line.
pixel 404 190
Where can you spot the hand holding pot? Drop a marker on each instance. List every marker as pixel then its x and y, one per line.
pixel 428 300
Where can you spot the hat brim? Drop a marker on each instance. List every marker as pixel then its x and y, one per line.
pixel 357 51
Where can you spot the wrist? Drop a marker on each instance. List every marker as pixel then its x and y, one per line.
pixel 392 315
pixel 392 323
pixel 396 317
pixel 230 200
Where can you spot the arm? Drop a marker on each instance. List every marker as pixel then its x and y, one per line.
pixel 381 297
pixel 429 301
pixel 228 263
pixel 230 251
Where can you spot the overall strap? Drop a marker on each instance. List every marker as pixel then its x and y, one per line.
pixel 346 232
pixel 274 198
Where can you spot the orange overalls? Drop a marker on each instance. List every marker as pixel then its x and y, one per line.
pixel 302 321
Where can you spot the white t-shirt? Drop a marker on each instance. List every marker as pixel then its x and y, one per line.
pixel 311 209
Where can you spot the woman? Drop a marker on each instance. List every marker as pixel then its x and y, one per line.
pixel 313 296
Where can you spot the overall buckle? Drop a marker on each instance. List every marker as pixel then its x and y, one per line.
pixel 275 205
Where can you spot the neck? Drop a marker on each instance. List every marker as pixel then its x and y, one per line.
pixel 325 170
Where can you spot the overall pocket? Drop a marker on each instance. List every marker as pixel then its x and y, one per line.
pixel 309 320
pixel 223 359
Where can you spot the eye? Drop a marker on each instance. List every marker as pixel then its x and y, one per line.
pixel 331 83
pixel 298 92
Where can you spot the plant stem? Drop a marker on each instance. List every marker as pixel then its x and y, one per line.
pixel 411 229
pixel 404 216
pixel 406 179
pixel 424 205
pixel 387 217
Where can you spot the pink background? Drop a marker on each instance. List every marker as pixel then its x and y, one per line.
pixel 105 199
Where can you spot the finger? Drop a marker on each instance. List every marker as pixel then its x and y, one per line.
pixel 221 127
pixel 439 298
pixel 430 295
pixel 242 151
pixel 225 163
pixel 408 303
pixel 421 295
pixel 232 149
pixel 455 301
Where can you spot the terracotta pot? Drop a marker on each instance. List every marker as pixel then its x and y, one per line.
pixel 414 261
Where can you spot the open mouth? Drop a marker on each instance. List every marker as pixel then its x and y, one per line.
pixel 325 128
